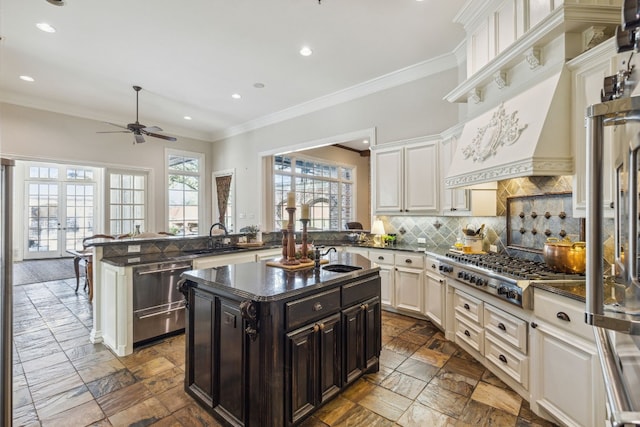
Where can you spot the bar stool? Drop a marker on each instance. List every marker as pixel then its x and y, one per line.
pixel 86 256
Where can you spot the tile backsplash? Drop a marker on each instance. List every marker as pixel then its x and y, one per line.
pixel 445 230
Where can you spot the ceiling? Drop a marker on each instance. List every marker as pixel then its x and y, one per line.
pixel 190 57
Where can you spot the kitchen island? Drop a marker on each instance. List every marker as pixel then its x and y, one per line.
pixel 267 347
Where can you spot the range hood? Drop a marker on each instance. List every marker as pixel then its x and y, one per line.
pixel 526 135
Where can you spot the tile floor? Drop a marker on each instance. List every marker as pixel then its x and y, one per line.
pixel 61 379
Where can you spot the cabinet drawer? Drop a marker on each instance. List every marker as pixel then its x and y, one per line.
pixel 513 363
pixel 361 290
pixel 312 308
pixel 381 257
pixel 562 312
pixel 469 333
pixel 506 327
pixel 412 261
pixel 468 306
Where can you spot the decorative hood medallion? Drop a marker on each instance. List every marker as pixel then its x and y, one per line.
pixel 528 133
pixel 501 130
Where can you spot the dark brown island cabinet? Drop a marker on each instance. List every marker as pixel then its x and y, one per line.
pixel 267 347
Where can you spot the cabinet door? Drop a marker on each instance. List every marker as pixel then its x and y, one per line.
pixel 330 355
pixel 587 81
pixel 362 340
pixel 232 348
pixel 409 289
pixel 435 300
pixel 454 201
pixel 566 378
pixel 387 288
pixel 302 379
pixel 387 180
pixel 201 346
pixel 421 178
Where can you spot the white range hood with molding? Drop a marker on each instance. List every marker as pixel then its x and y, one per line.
pixel 526 135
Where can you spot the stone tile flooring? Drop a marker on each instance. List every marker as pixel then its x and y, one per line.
pixel 61 379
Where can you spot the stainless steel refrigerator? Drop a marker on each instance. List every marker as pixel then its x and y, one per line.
pixel 6 291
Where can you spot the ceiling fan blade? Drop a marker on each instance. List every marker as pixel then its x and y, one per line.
pixel 118 126
pixel 114 131
pixel 152 129
pixel 157 135
pixel 139 138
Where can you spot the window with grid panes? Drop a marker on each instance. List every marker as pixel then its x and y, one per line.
pixel 127 201
pixel 328 188
pixel 184 179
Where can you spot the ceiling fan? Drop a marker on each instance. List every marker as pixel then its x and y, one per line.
pixel 139 130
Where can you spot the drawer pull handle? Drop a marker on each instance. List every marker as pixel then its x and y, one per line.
pixel 433 266
pixel 441 281
pixel 364 307
pixel 317 306
pixel 534 325
pixel 501 326
pixel 563 316
pixel 316 328
pixel 321 326
pixel 381 258
pixel 467 333
pixel 466 306
pixel 408 261
pixel 502 358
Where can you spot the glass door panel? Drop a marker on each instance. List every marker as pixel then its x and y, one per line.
pixel 44 223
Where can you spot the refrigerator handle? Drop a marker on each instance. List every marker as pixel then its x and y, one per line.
pixel 6 292
pixel 618 402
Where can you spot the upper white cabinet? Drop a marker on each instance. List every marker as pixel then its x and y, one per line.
pixel 454 201
pixel 587 74
pixel 406 178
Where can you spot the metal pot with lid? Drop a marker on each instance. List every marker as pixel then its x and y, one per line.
pixel 565 256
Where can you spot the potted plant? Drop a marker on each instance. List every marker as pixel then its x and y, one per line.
pixel 253 231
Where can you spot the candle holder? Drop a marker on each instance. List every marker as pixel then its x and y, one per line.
pixel 284 245
pixel 291 240
pixel 305 257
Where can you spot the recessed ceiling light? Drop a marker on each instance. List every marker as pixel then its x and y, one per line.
pixel 27 78
pixel 258 85
pixel 236 96
pixel 43 26
pixel 187 117
pixel 306 51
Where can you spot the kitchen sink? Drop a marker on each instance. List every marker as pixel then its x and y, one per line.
pixel 341 268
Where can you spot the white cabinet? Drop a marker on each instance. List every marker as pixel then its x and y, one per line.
pixel 409 282
pixel 435 294
pixel 406 178
pixel 268 254
pixel 587 74
pixel 454 201
pixel 566 380
pixel 385 261
pixel 468 314
pixel 220 260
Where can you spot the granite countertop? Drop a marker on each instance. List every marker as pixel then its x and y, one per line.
pixel 259 282
pixel 573 290
pixel 158 257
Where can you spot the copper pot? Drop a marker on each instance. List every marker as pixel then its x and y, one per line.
pixel 565 256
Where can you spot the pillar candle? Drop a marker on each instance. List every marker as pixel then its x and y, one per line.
pixel 291 199
pixel 305 211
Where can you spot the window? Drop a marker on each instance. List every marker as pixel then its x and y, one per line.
pixel 328 189
pixel 127 201
pixel 184 173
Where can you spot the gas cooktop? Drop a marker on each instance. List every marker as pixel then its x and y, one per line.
pixel 503 276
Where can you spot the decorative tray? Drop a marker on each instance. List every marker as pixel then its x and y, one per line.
pixel 296 266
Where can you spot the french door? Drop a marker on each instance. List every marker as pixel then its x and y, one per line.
pixel 60 210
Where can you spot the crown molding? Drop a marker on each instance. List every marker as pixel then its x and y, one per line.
pixel 387 81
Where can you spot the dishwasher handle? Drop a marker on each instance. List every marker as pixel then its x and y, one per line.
pixel 163 270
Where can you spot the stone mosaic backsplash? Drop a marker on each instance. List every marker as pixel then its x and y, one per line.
pixel 444 230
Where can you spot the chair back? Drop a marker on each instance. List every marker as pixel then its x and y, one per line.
pixel 353 226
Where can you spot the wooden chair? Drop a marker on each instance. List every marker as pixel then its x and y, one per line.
pixel 85 256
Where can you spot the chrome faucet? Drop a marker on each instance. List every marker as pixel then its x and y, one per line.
pixel 221 225
pixel 318 255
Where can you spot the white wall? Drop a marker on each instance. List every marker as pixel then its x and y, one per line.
pixel 31 134
pixel 410 110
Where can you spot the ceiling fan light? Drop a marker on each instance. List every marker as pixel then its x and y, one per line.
pixel 56 2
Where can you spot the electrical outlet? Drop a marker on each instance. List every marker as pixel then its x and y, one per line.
pixel 133 248
pixel 493 248
pixel 422 240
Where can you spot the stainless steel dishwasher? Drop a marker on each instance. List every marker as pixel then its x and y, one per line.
pixel 158 306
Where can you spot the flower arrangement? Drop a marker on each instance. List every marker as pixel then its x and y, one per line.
pixel 251 231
